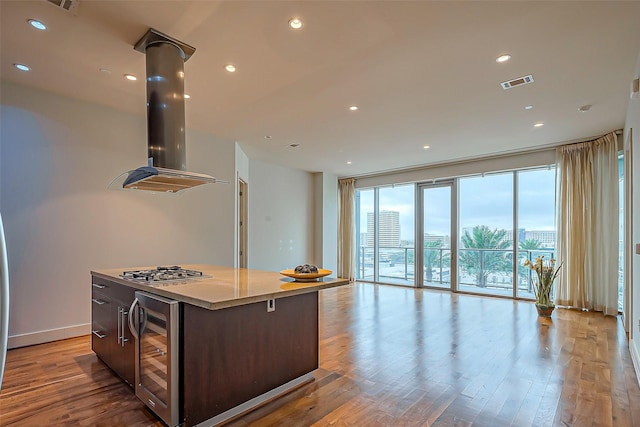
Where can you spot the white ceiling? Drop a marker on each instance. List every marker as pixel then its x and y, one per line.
pixel 421 72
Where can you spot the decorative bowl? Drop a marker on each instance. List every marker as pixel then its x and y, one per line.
pixel 305 277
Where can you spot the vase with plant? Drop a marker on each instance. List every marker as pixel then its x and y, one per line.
pixel 546 272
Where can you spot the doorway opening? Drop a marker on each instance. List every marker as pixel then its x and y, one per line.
pixel 242 223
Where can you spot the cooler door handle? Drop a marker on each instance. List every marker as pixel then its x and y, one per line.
pixel 132 327
pixel 123 316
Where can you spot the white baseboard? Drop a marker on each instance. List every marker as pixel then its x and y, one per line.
pixel 41 337
pixel 635 358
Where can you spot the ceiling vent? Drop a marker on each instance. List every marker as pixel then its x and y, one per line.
pixel 517 82
pixel 68 5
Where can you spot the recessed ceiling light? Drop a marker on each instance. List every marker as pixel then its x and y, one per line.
pixel 187 96
pixel 22 67
pixel 426 147
pixel 528 107
pixel 539 124
pixel 38 25
pixel 267 137
pixel 349 162
pixel 230 68
pixel 353 108
pixel 585 108
pixel 503 58
pixel 295 23
pixel 130 77
pixel 104 70
pixel 294 145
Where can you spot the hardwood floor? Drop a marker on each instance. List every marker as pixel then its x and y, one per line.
pixel 389 356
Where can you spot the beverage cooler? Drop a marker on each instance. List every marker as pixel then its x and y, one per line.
pixel 154 323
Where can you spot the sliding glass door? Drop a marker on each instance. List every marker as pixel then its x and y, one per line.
pixel 435 234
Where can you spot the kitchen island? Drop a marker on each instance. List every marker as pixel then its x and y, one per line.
pixel 245 336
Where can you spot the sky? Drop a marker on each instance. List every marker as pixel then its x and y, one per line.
pixel 484 200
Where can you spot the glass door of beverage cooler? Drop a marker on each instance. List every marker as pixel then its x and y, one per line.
pixel 155 325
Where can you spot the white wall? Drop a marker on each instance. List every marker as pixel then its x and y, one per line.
pixel 281 217
pixel 326 220
pixel 633 122
pixel 58 156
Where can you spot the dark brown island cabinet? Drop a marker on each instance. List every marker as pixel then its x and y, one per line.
pixel 245 337
pixel 111 338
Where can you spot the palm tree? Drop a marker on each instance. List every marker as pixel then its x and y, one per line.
pixel 431 257
pixel 528 245
pixel 525 247
pixel 480 263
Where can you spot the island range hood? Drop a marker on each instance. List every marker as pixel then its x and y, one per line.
pixel 166 167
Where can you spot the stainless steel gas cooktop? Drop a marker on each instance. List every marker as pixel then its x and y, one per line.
pixel 162 276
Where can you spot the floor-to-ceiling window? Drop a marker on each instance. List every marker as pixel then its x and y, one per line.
pixel 485 236
pixel 396 234
pixel 621 232
pixel 385 234
pixel 365 209
pixel 535 223
pixel 473 233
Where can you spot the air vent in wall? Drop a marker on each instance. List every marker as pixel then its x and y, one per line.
pixel 517 82
pixel 68 5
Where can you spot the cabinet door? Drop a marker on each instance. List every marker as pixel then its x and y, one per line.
pixel 102 326
pixel 124 354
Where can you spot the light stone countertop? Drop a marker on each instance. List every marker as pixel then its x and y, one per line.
pixel 226 286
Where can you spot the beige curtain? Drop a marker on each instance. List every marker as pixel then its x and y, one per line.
pixel 588 212
pixel 347 229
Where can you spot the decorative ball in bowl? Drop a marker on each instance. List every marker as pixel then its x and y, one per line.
pixel 306 273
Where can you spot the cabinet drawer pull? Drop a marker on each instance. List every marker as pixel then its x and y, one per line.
pixel 98 301
pixel 119 324
pixel 98 334
pixel 95 285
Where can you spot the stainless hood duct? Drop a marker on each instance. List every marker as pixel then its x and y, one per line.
pixel 166 168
